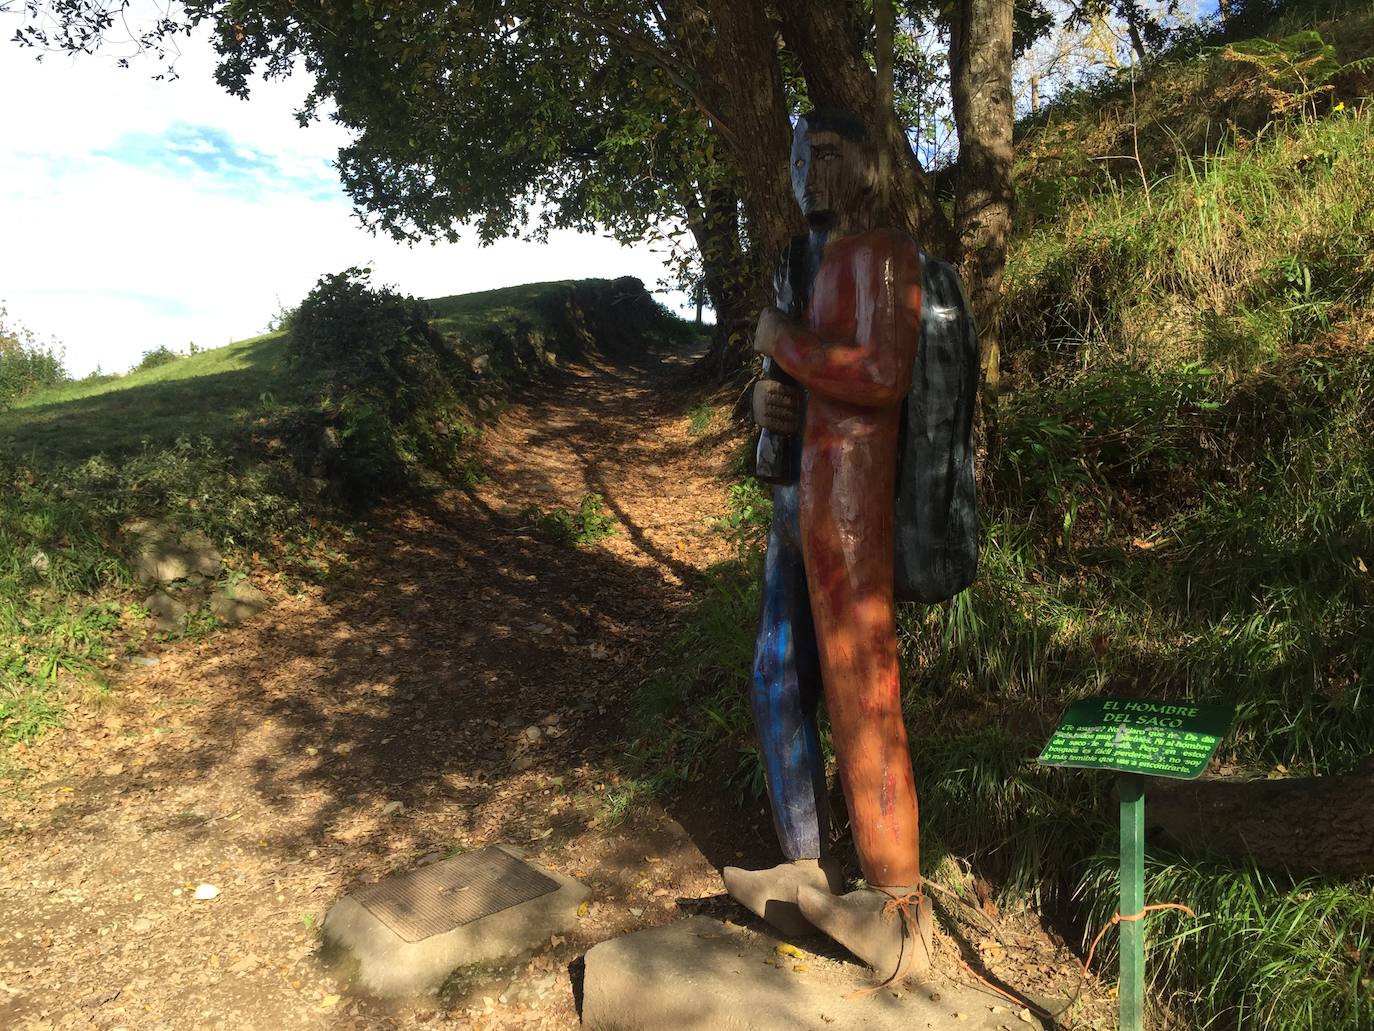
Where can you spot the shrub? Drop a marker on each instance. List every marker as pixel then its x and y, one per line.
pixel 386 406
pixel 26 364
pixel 347 326
pixel 156 358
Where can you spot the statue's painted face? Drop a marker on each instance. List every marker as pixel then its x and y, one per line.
pixel 830 174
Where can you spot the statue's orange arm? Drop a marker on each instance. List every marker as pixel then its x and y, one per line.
pixel 874 370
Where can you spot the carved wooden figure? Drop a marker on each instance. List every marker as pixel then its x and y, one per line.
pixel 828 621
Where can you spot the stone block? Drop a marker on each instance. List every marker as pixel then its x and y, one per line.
pixel 238 602
pixel 381 938
pixel 165 555
pixel 701 974
pixel 167 612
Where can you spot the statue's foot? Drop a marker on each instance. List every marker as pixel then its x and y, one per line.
pixel 772 893
pixel 882 940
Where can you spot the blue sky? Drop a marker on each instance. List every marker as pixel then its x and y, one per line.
pixel 137 214
pixel 227 165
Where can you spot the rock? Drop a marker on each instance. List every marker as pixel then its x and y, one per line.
pixel 246 965
pixel 40 562
pixel 142 925
pixel 142 660
pixel 392 808
pixel 701 974
pixel 238 602
pixel 165 554
pixel 167 612
pixel 206 892
pixel 394 960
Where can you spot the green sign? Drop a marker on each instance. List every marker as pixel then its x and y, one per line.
pixel 1157 739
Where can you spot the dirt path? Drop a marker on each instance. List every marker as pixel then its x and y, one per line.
pixel 462 682
pixel 269 760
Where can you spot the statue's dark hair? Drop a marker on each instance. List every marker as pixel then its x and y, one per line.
pixel 846 124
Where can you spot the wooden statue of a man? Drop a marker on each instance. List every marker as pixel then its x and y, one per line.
pixel 852 351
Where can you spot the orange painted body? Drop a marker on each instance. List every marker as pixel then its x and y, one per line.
pixel 854 356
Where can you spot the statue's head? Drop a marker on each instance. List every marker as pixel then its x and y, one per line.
pixel 834 167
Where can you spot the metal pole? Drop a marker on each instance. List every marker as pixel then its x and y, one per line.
pixel 1131 986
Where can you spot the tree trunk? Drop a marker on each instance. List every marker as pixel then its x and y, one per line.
pixel 980 76
pixel 732 49
pixel 1132 13
pixel 1300 825
pixel 837 75
pixel 713 219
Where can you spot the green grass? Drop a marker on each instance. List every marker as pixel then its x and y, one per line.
pixel 701 417
pixel 586 524
pixel 214 393
pixel 1262 951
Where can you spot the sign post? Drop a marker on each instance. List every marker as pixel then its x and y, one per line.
pixel 1137 738
pixel 1131 984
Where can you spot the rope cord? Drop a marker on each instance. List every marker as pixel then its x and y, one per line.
pixel 894 906
pixel 1117 918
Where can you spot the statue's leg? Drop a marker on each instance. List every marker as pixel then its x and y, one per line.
pixel 848 538
pixel 785 694
pixel 786 689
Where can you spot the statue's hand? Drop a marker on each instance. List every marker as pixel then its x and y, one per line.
pixel 771 322
pixel 777 406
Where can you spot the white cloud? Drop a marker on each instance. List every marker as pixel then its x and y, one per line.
pixel 138 214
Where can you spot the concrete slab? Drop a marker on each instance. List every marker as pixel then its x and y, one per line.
pixel 702 974
pixel 409 933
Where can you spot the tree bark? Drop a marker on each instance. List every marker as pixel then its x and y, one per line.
pixel 980 77
pixel 713 218
pixel 1132 13
pixel 733 52
pixel 1300 825
pixel 837 75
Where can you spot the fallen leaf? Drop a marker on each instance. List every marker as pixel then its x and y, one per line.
pixel 328 1001
pixel 584 909
pixel 789 950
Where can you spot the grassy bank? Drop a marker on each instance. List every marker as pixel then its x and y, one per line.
pixel 1178 506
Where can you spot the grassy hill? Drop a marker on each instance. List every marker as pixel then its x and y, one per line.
pixel 213 393
pixel 1176 504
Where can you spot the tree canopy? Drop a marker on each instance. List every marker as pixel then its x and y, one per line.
pixel 644 119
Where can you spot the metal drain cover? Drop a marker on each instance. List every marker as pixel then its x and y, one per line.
pixel 457 891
